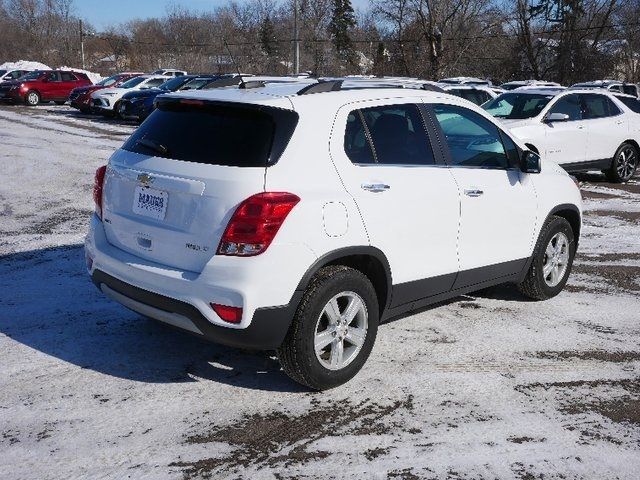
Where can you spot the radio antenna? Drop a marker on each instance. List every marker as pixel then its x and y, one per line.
pixel 234 62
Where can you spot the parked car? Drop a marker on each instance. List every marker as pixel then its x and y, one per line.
pixel 8 75
pixel 43 86
pixel 138 104
pixel 169 72
pixel 80 98
pixel 287 239
pixel 528 83
pixel 632 103
pixel 579 129
pixel 464 81
pixel 477 94
pixel 106 101
pixel 610 85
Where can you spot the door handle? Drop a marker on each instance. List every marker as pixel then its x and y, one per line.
pixel 473 192
pixel 375 187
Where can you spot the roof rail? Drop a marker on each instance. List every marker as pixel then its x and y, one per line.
pixel 322 86
pixel 337 85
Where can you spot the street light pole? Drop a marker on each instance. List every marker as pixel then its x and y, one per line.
pixel 296 40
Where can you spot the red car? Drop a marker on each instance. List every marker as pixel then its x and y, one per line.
pixel 80 97
pixel 43 86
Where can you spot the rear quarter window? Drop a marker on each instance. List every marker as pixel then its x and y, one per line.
pixel 214 134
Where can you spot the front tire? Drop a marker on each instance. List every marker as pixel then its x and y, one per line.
pixel 624 165
pixel 32 98
pixel 333 331
pixel 552 260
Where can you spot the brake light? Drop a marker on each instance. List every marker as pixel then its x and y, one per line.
pixel 226 313
pixel 255 223
pixel 97 189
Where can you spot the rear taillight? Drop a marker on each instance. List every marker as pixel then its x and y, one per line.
pixel 255 223
pixel 97 189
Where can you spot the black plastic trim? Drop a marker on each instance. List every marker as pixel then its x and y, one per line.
pixel 407 292
pixel 475 276
pixel 602 164
pixel 267 330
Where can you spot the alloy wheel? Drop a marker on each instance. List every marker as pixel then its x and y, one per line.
pixel 341 330
pixel 556 259
pixel 627 162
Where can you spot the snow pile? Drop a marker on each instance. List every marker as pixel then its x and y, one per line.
pixel 24 65
pixel 94 77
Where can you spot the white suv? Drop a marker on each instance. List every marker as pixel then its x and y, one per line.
pixel 106 100
pixel 295 219
pixel 579 129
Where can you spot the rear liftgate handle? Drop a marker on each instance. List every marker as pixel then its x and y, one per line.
pixel 473 192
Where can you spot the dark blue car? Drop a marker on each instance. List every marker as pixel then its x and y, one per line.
pixel 138 105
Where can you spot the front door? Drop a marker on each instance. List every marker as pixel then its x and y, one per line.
pixel 498 202
pixel 566 141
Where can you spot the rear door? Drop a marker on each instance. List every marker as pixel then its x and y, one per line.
pixel 406 196
pixel 498 202
pixel 566 142
pixel 50 86
pixel 172 188
pixel 68 83
pixel 606 124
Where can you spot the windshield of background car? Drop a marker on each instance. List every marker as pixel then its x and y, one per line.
pixel 107 82
pixel 133 82
pixel 632 103
pixel 2 72
pixel 517 105
pixel 172 85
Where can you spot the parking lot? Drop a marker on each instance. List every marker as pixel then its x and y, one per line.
pixel 485 386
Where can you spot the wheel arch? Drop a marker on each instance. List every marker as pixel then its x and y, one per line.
pixel 366 259
pixel 571 213
pixel 631 141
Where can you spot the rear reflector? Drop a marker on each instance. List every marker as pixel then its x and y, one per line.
pixel 255 223
pixel 226 313
pixel 97 189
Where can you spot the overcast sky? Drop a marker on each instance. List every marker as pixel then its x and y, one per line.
pixel 101 13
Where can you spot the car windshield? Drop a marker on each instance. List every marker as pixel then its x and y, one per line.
pixel 632 103
pixel 32 75
pixel 173 84
pixel 106 82
pixel 133 82
pixel 517 105
pixel 2 72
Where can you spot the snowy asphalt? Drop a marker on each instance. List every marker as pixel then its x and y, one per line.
pixel 486 386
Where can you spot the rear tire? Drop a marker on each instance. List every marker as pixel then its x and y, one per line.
pixel 624 165
pixel 344 336
pixel 552 260
pixel 32 98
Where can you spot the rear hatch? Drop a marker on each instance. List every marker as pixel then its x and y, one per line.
pixel 172 188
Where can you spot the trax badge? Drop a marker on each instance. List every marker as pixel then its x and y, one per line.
pixel 145 179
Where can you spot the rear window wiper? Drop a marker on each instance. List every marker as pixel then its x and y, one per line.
pixel 151 145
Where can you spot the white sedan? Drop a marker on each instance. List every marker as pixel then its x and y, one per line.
pixel 581 130
pixel 105 101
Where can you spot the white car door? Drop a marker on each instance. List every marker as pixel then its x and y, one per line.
pixel 498 201
pixel 566 141
pixel 607 127
pixel 406 196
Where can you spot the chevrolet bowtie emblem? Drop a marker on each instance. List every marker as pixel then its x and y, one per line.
pixel 145 179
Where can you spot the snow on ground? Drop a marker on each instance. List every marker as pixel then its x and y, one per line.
pixel 486 386
pixel 24 65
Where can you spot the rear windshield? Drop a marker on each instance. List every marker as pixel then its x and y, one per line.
pixel 213 134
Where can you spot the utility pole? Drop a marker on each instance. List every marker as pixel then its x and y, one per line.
pixel 296 39
pixel 82 44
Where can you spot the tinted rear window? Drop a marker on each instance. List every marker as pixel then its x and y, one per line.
pixel 632 103
pixel 211 134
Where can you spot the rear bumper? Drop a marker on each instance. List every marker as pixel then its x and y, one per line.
pixel 182 298
pixel 266 331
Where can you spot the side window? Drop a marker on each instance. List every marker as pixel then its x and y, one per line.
pixel 67 77
pixel 356 145
pixel 473 140
pixel 569 105
pixel 53 77
pixel 398 135
pixel 594 106
pixel 513 153
pixel 613 108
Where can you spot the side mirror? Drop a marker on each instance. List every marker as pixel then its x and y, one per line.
pixel 530 162
pixel 556 117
